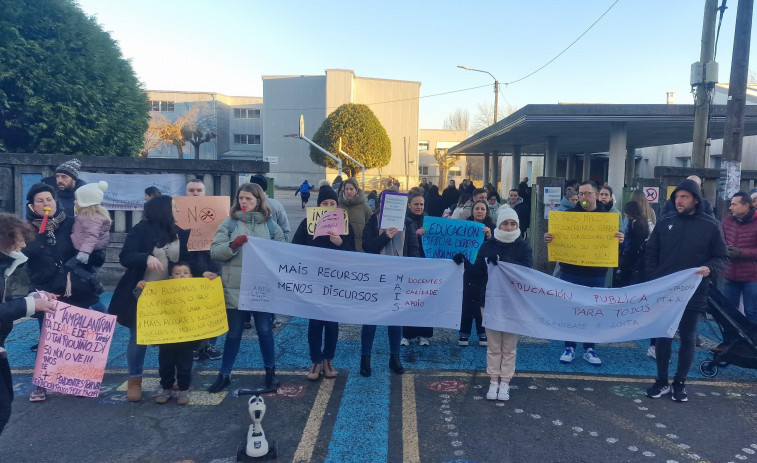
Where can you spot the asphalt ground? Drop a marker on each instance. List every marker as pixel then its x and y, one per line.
pixel 436 412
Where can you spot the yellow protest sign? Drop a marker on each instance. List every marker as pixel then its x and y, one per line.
pixel 671 189
pixel 315 213
pixel 584 238
pixel 179 310
pixel 201 215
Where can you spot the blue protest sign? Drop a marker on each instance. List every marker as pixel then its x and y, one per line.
pixel 444 238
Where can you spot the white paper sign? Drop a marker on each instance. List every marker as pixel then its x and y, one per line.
pixel 393 210
pixel 350 287
pixel 527 302
pixel 552 199
pixel 126 192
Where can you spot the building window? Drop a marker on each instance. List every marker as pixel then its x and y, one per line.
pixel 156 105
pixel 456 171
pixel 246 139
pixel 244 113
pixel 423 170
pixel 422 146
pixel 683 161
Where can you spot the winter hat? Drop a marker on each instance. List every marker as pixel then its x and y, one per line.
pixel 39 188
pixel 689 185
pixel 259 180
pixel 326 192
pixel 507 213
pixel 70 168
pixel 90 194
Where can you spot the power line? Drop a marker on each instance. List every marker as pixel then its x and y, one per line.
pixel 566 48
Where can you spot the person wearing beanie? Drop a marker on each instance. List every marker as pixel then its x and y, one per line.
pixel 278 212
pixel 689 238
pixel 66 181
pixel 91 231
pixel 594 277
pixel 323 335
pixel 508 246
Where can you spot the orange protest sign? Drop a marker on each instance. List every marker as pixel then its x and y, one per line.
pixel 201 215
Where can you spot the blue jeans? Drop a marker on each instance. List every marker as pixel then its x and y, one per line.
pixel 368 332
pixel 733 290
pixel 264 328
pixel 316 337
pixel 135 355
pixel 592 281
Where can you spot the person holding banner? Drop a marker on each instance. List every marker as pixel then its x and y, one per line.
pixel 507 246
pixel 149 247
pixel 689 238
pixel 415 213
pixel 352 200
pixel 584 275
pixel 249 216
pixel 391 242
pixel 323 335
pixel 13 237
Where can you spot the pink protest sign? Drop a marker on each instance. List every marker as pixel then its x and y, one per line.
pixel 331 221
pixel 73 350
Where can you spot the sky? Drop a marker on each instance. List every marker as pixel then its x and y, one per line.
pixel 637 52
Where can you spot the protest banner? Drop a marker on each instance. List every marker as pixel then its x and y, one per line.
pixel 393 210
pixel 180 310
pixel 350 287
pixel 315 213
pixel 201 215
pixel 584 238
pixel 524 301
pixel 332 221
pixel 445 238
pixel 126 192
pixel 73 350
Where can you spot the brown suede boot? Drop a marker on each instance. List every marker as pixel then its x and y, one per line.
pixel 134 390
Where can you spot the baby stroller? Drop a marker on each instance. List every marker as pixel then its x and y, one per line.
pixel 739 346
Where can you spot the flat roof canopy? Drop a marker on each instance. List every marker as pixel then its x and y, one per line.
pixel 585 128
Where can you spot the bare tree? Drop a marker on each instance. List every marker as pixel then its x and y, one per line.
pixel 458 120
pixel 444 162
pixel 200 128
pixel 752 78
pixel 485 116
pixel 152 138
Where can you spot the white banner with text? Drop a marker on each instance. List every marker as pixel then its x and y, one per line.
pixel 525 301
pixel 350 287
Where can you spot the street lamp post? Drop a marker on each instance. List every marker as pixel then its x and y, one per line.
pixel 496 88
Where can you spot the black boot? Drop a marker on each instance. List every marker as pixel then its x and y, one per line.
pixel 270 378
pixel 221 383
pixel 395 364
pixel 365 365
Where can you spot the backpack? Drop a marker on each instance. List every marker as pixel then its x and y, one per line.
pixel 234 222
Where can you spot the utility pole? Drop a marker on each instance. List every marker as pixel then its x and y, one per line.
pixel 733 134
pixel 704 74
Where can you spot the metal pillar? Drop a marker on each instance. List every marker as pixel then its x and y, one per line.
pixel 617 166
pixel 630 165
pixel 587 167
pixel 495 169
pixel 550 159
pixel 516 167
pixel 486 167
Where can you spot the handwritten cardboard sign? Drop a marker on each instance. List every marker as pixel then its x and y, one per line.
pixel 393 210
pixel 315 213
pixel 350 287
pixel 73 350
pixel 180 310
pixel 445 238
pixel 332 221
pixel 584 238
pixel 201 215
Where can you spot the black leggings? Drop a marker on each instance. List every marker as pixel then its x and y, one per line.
pixel 687 331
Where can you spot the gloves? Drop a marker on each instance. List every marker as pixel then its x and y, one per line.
pixel 458 258
pixel 494 259
pixel 734 252
pixel 83 257
pixel 238 242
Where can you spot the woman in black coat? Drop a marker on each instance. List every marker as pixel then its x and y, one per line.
pixel 147 251
pixel 434 205
pixel 414 220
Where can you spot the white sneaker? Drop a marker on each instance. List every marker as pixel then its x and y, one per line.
pixel 568 356
pixel 422 341
pixel 492 393
pixel 591 357
pixel 651 352
pixel 404 342
pixel 504 392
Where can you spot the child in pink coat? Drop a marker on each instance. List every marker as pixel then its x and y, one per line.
pixel 91 231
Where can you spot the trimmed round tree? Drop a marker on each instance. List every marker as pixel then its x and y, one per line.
pixel 64 86
pixel 363 138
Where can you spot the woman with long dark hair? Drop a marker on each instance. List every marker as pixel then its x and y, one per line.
pixel 636 232
pixel 150 247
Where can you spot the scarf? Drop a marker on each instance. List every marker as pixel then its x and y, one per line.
pixel 52 224
pixel 506 237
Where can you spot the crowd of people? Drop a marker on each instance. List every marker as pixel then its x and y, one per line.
pixel 61 245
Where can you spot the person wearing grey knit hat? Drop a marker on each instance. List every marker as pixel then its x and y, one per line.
pixel 70 168
pixel 66 180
